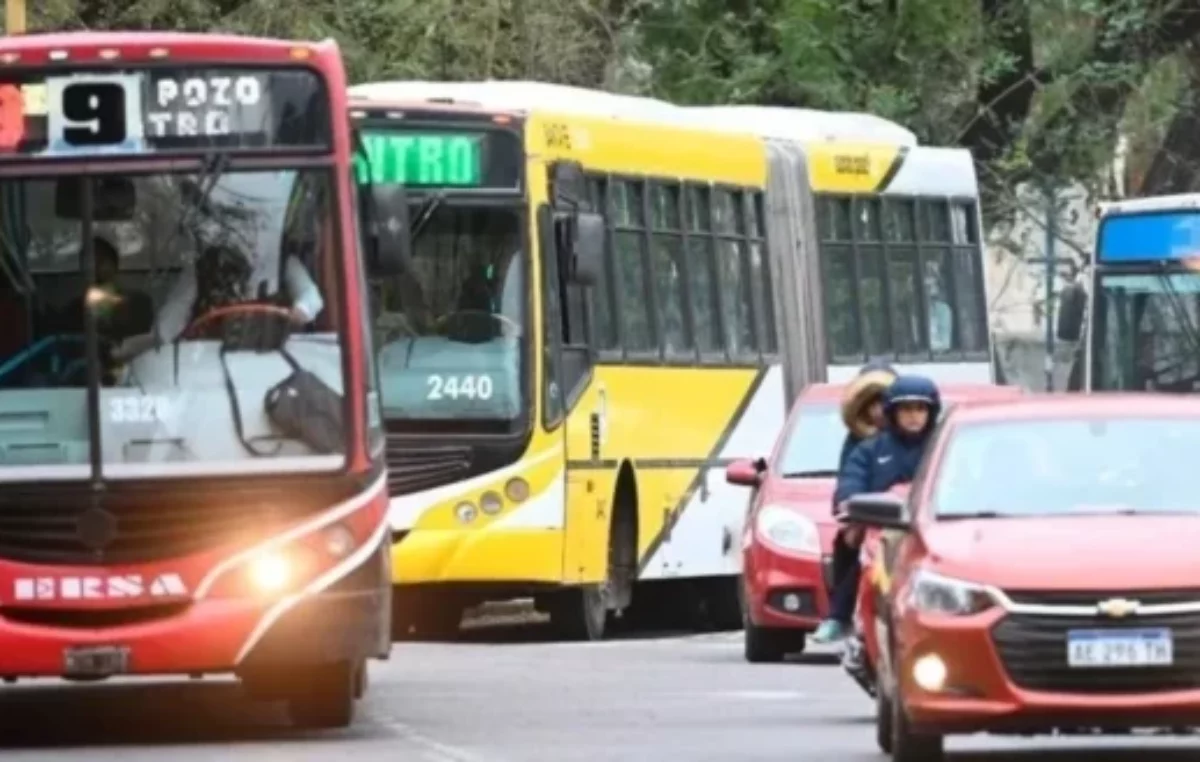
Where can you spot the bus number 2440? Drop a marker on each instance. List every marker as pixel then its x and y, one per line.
pixel 471 387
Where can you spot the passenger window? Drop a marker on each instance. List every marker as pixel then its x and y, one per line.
pixel 626 205
pixel 735 299
pixel 725 216
pixel 901 221
pixel 867 220
pixel 874 310
pixel 839 219
pixel 666 244
pixel 905 295
pixel 962 217
pixel 841 308
pixel 939 295
pixel 937 221
pixel 972 320
pixel 701 272
pixel 603 311
pixel 761 275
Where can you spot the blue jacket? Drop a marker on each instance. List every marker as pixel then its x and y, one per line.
pixel 890 457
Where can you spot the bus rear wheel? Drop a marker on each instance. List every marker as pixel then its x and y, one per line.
pixel 324 697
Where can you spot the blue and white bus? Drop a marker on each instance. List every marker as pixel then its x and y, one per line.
pixel 1142 309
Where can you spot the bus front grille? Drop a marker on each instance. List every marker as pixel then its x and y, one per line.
pixel 412 469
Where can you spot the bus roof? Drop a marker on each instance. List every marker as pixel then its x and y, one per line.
pixel 206 46
pixel 796 124
pixel 805 125
pixel 1151 204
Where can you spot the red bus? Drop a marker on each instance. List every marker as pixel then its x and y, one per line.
pixel 191 459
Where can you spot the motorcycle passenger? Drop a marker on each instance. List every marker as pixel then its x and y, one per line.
pixel 912 405
pixel 862 412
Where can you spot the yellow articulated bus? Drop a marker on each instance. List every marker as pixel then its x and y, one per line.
pixel 902 260
pixel 588 326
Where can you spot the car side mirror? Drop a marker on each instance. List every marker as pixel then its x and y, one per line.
pixel 745 472
pixel 879 510
pixel 1072 305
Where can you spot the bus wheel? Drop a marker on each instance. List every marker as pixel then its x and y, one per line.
pixel 580 613
pixel 324 698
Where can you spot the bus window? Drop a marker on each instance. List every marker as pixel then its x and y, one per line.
pixel 841 307
pixel 626 210
pixel 876 338
pixel 701 272
pixel 737 304
pixel 905 296
pixel 666 247
pixel 972 311
pixel 761 275
pixel 602 298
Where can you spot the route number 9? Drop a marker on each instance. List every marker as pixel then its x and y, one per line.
pixel 94 111
pixel 471 387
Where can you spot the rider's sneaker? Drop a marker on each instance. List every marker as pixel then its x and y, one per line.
pixel 830 631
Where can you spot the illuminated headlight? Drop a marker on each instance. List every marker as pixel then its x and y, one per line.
pixel 929 673
pixel 339 541
pixel 936 594
pixel 788 529
pixel 490 503
pixel 465 512
pixel 270 572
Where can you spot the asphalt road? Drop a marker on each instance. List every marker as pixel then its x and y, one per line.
pixel 508 696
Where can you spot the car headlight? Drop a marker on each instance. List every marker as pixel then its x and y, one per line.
pixel 788 529
pixel 937 594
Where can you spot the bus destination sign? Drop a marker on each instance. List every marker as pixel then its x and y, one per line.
pixel 162 111
pixel 1149 237
pixel 462 159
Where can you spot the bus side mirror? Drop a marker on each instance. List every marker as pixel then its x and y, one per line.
pixel 388 227
pixel 1072 305
pixel 589 247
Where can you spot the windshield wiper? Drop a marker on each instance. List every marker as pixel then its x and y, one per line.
pixel 975 515
pixel 425 213
pixel 815 473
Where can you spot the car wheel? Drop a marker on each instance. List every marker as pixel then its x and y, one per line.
pixel 767 646
pixel 908 745
pixel 325 699
pixel 883 720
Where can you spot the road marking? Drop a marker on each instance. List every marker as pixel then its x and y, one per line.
pixel 433 750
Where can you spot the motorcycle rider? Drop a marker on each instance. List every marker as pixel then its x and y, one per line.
pixel 911 408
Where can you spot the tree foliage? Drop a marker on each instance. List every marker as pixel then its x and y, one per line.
pixel 1040 90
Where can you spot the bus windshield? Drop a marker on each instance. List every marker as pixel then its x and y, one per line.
pixel 209 291
pixel 1147 325
pixel 449 328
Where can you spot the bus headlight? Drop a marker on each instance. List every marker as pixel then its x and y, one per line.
pixel 270 572
pixel 465 512
pixel 788 530
pixel 490 503
pixel 936 594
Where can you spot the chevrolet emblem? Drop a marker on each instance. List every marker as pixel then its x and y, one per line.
pixel 1118 608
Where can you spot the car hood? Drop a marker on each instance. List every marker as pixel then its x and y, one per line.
pixel 1069 553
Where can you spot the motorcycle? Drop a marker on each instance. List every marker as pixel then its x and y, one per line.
pixel 860 655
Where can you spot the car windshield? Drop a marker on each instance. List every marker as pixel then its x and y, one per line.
pixel 449 328
pixel 814 442
pixel 208 289
pixel 1069 467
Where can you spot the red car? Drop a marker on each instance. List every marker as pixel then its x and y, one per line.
pixel 787 541
pixel 1042 574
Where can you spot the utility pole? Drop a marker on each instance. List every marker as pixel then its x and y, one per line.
pixel 1051 272
pixel 14 17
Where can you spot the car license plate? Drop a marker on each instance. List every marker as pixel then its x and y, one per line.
pixel 95 661
pixel 1120 648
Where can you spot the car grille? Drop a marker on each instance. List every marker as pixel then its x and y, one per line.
pixel 412 469
pixel 1033 649
pixel 1093 597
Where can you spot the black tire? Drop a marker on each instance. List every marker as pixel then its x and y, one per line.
pixel 908 745
pixel 766 646
pixel 324 699
pixel 883 720
pixel 580 613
